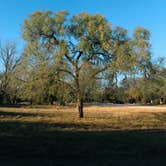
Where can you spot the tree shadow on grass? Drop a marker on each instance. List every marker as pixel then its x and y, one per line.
pixel 13 105
pixel 24 114
pixel 15 114
pixel 33 143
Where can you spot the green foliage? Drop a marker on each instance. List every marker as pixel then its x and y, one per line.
pixel 143 90
pixel 81 57
pixel 8 83
pixel 78 49
pixel 141 51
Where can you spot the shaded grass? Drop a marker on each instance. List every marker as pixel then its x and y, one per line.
pixel 106 136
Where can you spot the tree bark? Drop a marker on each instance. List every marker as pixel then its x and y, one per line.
pixel 80 107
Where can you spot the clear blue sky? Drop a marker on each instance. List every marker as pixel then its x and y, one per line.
pixel 150 14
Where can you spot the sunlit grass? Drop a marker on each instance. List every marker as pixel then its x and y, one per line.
pixel 96 118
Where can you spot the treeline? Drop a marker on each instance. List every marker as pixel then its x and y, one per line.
pixel 80 58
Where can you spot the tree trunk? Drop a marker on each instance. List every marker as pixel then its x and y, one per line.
pixel 80 108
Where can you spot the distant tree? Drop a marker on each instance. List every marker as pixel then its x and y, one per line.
pixel 150 90
pixel 9 62
pixel 138 83
pixel 35 77
pixel 142 52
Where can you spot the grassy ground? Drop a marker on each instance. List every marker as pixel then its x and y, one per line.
pixel 106 136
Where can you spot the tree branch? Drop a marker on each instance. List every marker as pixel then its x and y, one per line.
pixel 68 84
pixel 67 71
pixel 99 71
pixel 78 57
pixel 70 60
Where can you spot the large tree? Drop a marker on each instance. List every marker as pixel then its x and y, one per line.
pixel 82 47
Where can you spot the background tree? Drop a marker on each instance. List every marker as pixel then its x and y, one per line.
pixel 141 49
pixel 9 62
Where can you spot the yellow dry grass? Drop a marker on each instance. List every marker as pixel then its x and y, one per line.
pixel 97 118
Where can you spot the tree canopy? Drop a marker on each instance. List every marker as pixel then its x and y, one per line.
pixel 80 58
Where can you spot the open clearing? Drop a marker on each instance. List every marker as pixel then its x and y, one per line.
pixel 127 135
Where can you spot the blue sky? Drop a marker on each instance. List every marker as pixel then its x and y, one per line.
pixel 150 14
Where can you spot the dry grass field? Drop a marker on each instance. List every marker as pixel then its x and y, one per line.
pixel 106 136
